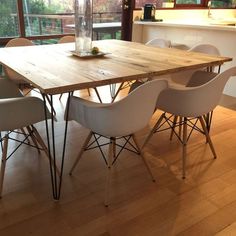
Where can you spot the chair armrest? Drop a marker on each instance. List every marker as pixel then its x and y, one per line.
pixel 20 112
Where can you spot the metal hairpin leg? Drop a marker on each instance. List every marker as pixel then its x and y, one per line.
pixel 55 179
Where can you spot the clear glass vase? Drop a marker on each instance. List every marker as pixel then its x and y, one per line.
pixel 83 26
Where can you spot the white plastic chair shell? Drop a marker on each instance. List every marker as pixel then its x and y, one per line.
pixel 121 118
pixel 20 112
pixel 195 101
pixel 8 89
pixel 185 76
pixel 67 39
pixel 16 42
pixel 205 48
pixel 158 42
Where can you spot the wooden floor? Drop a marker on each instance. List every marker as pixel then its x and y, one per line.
pixel 202 204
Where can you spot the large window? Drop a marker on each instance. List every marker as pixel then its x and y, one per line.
pixel 9 26
pixel 45 20
pixel 189 3
pixel 47 17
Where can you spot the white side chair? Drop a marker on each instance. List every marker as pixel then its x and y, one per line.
pixel 190 78
pixel 18 112
pixel 116 120
pixel 182 78
pixel 158 42
pixel 190 103
pixel 71 39
pixel 10 74
pixel 67 39
pixel 17 42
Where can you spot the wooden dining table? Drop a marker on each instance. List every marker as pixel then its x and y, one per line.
pixel 54 69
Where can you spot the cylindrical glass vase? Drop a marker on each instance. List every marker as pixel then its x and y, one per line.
pixel 83 26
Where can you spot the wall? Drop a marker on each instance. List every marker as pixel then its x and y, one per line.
pixel 224 40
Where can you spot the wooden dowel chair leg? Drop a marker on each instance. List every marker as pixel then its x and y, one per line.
pixel 143 158
pixel 89 92
pixel 81 152
pixel 184 147
pixel 24 133
pixel 208 137
pixel 180 125
pixel 33 138
pixel 173 127
pixel 109 171
pixel 3 164
pixel 43 145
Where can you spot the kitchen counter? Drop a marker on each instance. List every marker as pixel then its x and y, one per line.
pixel 185 34
pixel 212 24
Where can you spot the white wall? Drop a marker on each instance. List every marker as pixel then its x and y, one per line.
pixel 224 40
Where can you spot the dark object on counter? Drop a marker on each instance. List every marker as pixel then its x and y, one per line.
pixel 149 12
pixel 153 20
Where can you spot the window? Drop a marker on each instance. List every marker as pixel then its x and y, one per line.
pixel 196 2
pixel 141 3
pixel 47 20
pixel 223 3
pixel 47 17
pixel 9 25
pixel 189 3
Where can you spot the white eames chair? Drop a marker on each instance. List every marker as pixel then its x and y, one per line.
pixel 18 112
pixel 182 78
pixel 67 39
pixel 71 39
pixel 116 120
pixel 189 103
pixel 158 42
pixel 21 42
pixel 190 78
pixel 17 42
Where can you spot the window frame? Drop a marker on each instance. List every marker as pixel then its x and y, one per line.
pixel 203 5
pixel 22 32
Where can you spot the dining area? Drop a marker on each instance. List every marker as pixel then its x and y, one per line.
pixel 110 187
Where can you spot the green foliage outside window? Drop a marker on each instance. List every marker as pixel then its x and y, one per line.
pixel 8 24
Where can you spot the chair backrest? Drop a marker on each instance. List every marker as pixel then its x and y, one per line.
pixel 205 48
pixel 185 77
pixel 67 39
pixel 16 42
pixel 123 117
pixel 162 43
pixel 8 89
pixel 195 101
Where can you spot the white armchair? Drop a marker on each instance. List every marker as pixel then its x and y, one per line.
pixel 159 42
pixel 190 103
pixel 119 119
pixel 18 112
pixel 17 42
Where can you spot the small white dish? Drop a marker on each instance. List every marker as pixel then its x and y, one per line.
pixel 89 54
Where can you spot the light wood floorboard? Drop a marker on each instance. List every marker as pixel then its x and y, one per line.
pixel 202 204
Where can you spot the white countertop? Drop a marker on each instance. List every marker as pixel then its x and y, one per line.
pixel 213 24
